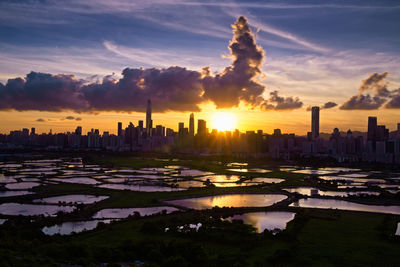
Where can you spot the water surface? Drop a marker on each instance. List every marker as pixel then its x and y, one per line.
pixel 84 199
pixel 231 200
pixel 125 212
pixel 271 220
pixel 344 205
pixel 32 209
pixel 68 228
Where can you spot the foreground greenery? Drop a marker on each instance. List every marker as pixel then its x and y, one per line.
pixel 313 238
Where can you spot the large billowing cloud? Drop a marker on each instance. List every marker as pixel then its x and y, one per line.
pixel 238 82
pixel 276 102
pixel 170 89
pixel 378 85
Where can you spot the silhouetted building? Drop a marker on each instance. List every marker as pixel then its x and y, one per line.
pixel 119 128
pixel 191 124
pixel 315 122
pixel 149 123
pixel 201 127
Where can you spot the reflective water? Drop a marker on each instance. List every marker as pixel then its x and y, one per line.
pixel 271 220
pixel 398 230
pixel 32 209
pixel 312 191
pixel 141 188
pixel 68 228
pixel 80 180
pixel 124 213
pixel 355 175
pixel 14 193
pixel 315 172
pixel 84 199
pixel 233 200
pixel 22 185
pixel 188 184
pixel 266 180
pixel 219 178
pixel 191 172
pixel 344 205
pixel 2 221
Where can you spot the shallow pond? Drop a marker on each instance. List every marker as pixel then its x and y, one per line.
pixel 266 180
pixel 141 188
pixel 309 191
pixel 271 220
pixel 190 172
pixel 344 205
pixel 231 200
pixel 22 185
pixel 124 213
pixel 68 228
pixel 84 199
pixel 32 209
pixel 219 178
pixel 78 180
pixel 14 193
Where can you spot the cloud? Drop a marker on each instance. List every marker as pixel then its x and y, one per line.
pixel 170 89
pixel 238 81
pixel 71 118
pixel 328 105
pixel 43 92
pixel 276 102
pixel 40 120
pixel 375 83
pixel 363 102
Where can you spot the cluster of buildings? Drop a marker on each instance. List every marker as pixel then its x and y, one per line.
pixel 377 145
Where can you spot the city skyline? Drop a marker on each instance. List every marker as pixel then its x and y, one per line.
pixel 289 69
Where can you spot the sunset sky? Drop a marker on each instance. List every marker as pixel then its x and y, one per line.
pixel 342 54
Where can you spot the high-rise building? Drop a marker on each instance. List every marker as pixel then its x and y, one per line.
pixel 372 127
pixel 181 127
pixel 33 131
pixel 78 130
pixel 315 122
pixel 119 128
pixel 191 124
pixel 149 123
pixel 201 127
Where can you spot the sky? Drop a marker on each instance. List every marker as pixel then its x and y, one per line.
pixel 94 63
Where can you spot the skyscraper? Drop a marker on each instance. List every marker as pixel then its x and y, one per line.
pixel 119 128
pixel 315 122
pixel 372 126
pixel 191 124
pixel 201 127
pixel 148 118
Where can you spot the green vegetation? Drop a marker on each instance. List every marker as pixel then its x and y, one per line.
pixel 315 237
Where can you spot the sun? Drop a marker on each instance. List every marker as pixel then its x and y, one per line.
pixel 223 121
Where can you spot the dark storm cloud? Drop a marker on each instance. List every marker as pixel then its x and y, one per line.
pixel 175 88
pixel 40 120
pixel 276 102
pixel 43 92
pixel 375 82
pixel 237 82
pixel 170 89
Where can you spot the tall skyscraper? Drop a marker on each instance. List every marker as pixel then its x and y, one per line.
pixel 372 126
pixel 315 122
pixel 201 127
pixel 119 128
pixel 148 118
pixel 191 124
pixel 181 127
